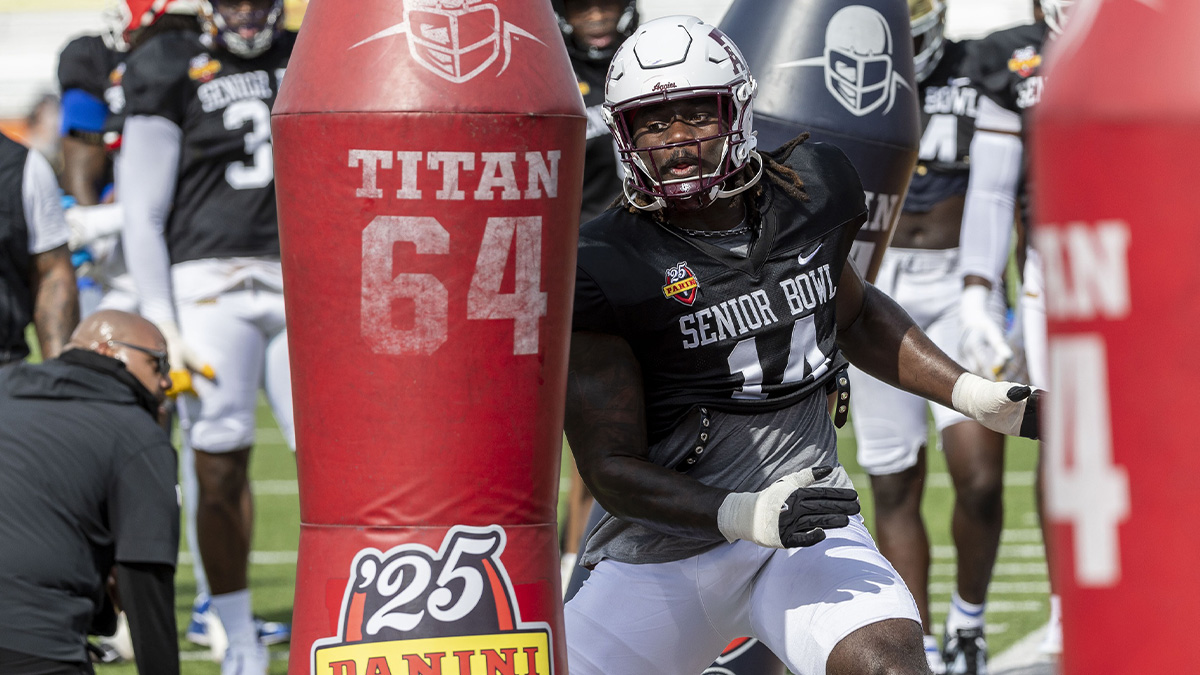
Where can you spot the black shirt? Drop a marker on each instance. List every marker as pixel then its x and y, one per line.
pixel 601 177
pixel 87 480
pixel 225 198
pixel 948 105
pixel 16 294
pixel 1009 67
pixel 710 327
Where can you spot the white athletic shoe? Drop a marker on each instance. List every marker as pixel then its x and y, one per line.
pixel 933 655
pixel 1052 641
pixel 251 660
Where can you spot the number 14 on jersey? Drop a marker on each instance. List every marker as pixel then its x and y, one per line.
pixel 502 237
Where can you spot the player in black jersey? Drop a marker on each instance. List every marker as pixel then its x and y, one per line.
pixel 90 69
pixel 920 271
pixel 712 311
pixel 592 30
pixel 1008 72
pixel 202 242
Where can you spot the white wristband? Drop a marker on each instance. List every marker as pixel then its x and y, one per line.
pixel 987 402
pixel 754 516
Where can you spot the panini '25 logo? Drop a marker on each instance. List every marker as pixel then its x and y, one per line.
pixel 416 610
pixel 681 284
pixel 1025 61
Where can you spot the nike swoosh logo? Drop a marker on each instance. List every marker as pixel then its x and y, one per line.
pixel 804 259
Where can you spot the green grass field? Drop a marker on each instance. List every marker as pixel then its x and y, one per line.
pixel 1017 604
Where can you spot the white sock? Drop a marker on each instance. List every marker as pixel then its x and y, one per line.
pixel 1055 610
pixel 963 614
pixel 234 611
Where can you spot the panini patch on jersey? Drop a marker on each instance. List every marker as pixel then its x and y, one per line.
pixel 682 284
pixel 1024 61
pixel 203 68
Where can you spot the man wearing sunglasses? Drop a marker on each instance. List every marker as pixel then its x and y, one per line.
pixel 87 482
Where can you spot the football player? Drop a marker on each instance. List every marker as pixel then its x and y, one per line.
pixel 592 30
pixel 713 308
pixel 920 271
pixel 90 68
pixel 202 243
pixel 1009 74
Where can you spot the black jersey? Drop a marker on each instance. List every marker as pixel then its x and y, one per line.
pixel 949 102
pixel 601 177
pixel 711 328
pixel 1008 68
pixel 225 198
pixel 89 65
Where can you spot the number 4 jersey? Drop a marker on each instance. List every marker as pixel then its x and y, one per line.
pixel 712 328
pixel 224 202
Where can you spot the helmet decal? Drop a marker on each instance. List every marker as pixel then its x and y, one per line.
pixel 859 71
pixel 455 39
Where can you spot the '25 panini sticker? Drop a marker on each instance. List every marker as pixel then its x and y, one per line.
pixel 416 610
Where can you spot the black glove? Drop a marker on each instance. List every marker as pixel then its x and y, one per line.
pixel 808 511
pixel 788 513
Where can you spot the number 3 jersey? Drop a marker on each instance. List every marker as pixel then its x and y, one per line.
pixel 224 203
pixel 714 329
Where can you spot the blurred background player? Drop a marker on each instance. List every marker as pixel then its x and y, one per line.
pixel 920 271
pixel 90 68
pixel 201 239
pixel 37 282
pixel 1008 74
pixel 592 31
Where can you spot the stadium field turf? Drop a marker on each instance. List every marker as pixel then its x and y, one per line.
pixel 1017 604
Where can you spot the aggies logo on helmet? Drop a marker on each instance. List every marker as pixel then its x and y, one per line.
pixel 413 609
pixel 682 284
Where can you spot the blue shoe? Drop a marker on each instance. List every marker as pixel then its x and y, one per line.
pixel 198 627
pixel 272 632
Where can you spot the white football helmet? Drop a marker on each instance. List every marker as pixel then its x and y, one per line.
pixel 670 59
pixel 1056 13
pixel 928 19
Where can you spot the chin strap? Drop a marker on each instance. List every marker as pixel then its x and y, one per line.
pixel 721 194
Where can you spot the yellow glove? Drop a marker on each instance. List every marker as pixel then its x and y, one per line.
pixel 181 380
pixel 184 361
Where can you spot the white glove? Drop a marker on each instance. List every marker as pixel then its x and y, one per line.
pixel 89 223
pixel 983 349
pixel 788 513
pixel 1006 407
pixel 184 361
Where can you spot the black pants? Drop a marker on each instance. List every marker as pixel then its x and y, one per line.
pixel 16 663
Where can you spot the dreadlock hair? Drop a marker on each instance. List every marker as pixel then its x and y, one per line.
pixel 775 170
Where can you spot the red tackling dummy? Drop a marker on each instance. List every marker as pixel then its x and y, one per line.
pixel 429 160
pixel 1116 179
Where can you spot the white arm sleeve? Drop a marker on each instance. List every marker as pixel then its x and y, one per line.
pixel 991 192
pixel 42 205
pixel 147 170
